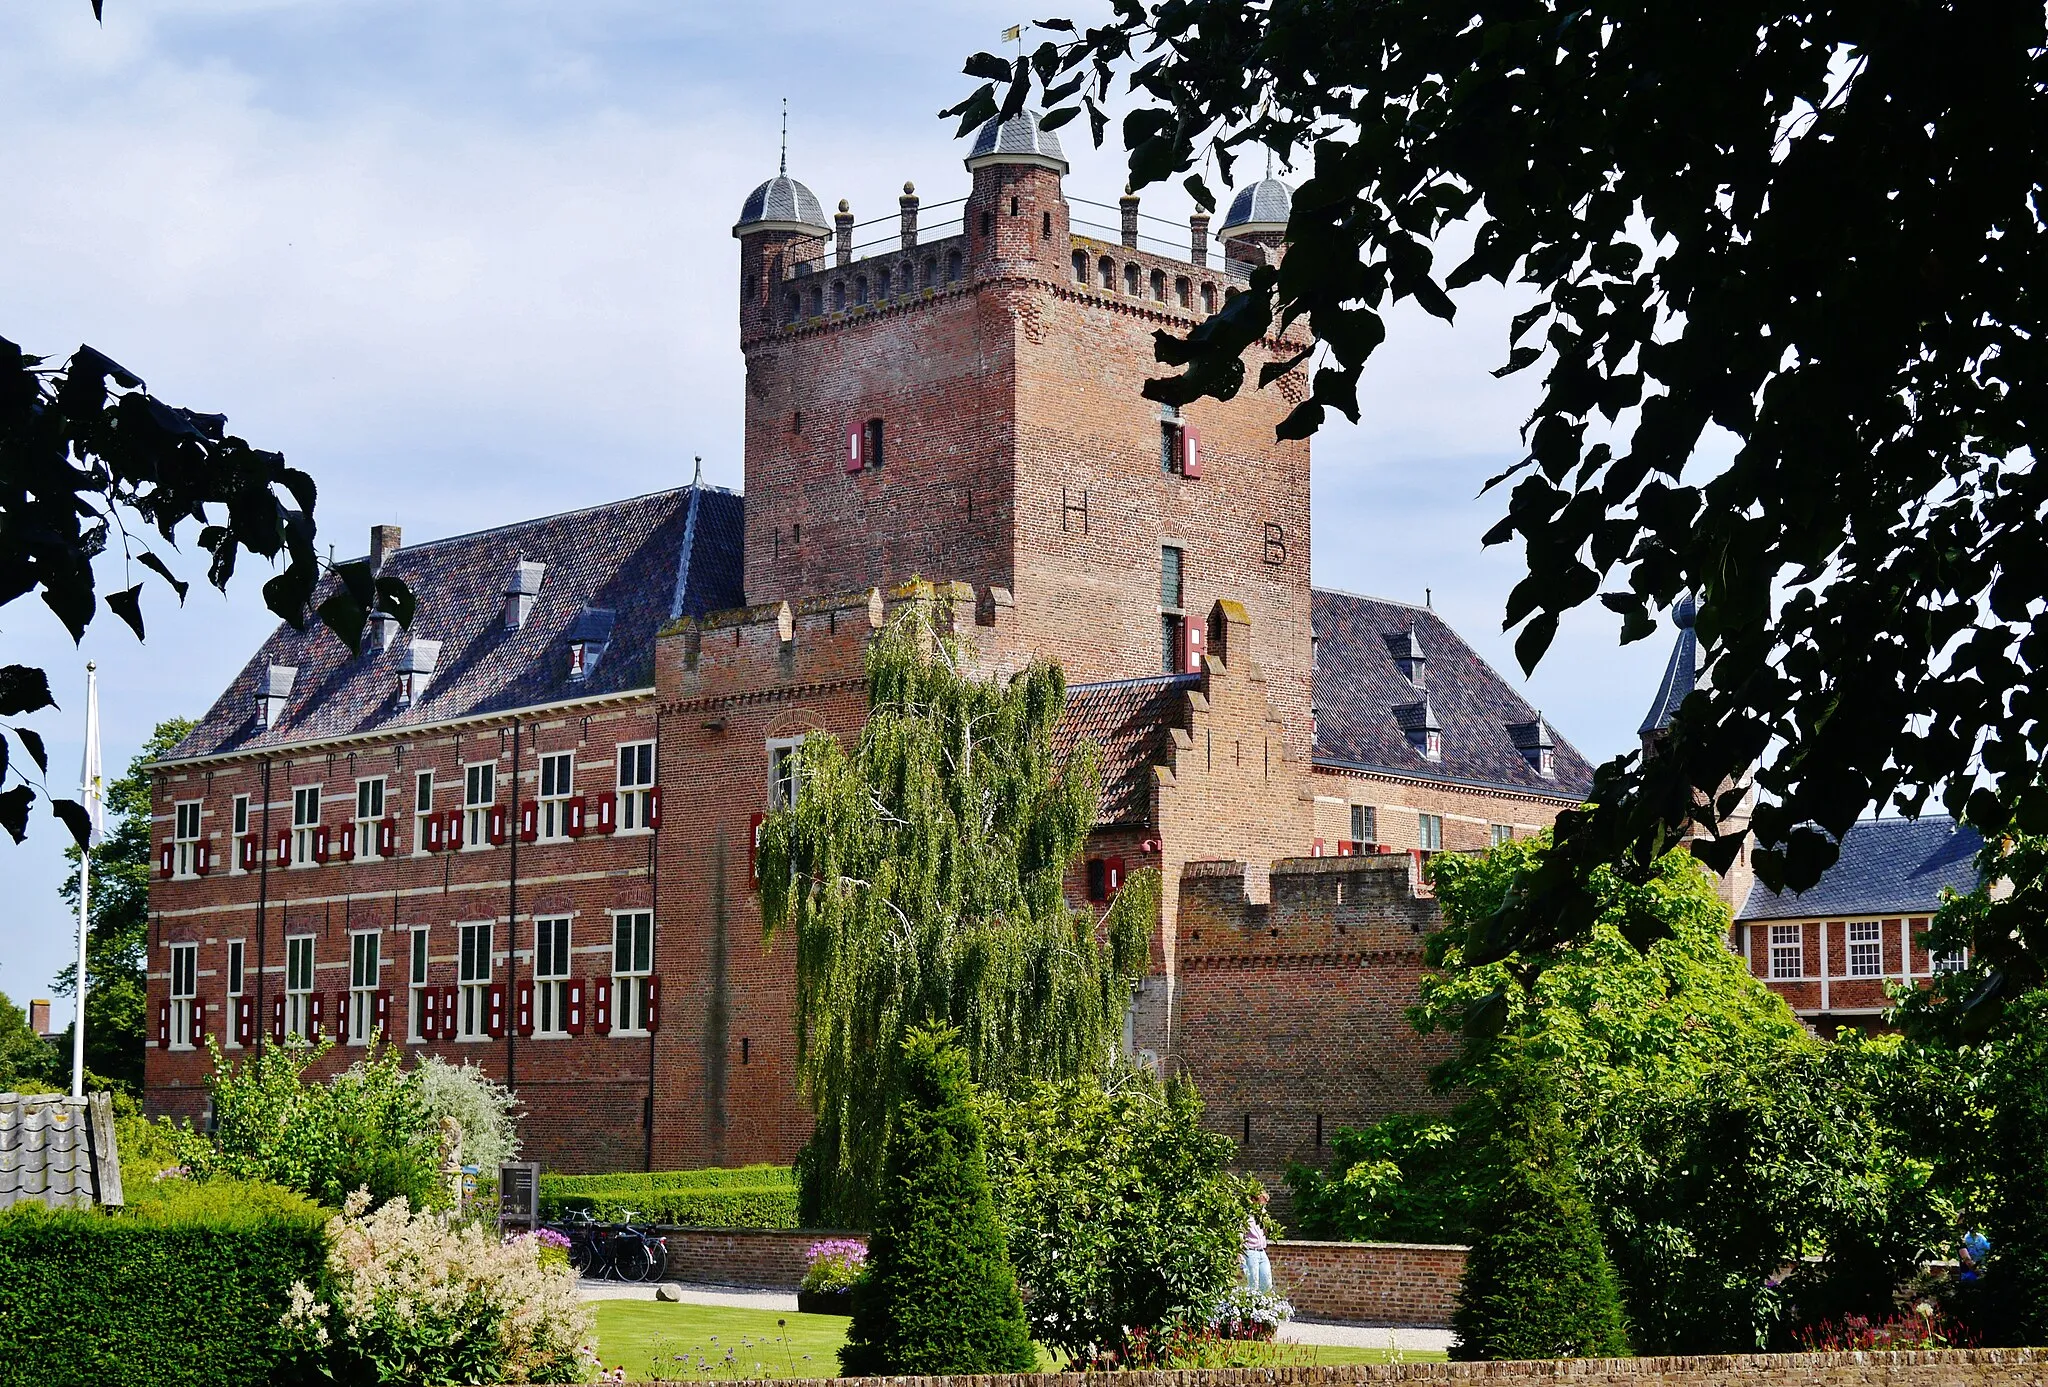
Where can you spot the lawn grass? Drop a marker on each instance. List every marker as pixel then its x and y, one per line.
pixel 659 1341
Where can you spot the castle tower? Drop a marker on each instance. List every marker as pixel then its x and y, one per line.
pixel 781 227
pixel 1681 677
pixel 1016 216
pixel 1255 228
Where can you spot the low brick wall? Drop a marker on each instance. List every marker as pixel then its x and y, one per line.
pixel 2012 1367
pixel 759 1258
pixel 1413 1284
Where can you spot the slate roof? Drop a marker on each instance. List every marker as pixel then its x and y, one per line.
pixel 782 202
pixel 1362 700
pixel 1266 203
pixel 1021 137
pixel 1887 867
pixel 1132 720
pixel 646 560
pixel 57 1150
pixel 1681 672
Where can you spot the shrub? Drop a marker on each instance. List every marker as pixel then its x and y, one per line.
pixel 939 1296
pixel 483 1109
pixel 1537 1283
pixel 1117 1207
pixel 182 1289
pixel 1403 1179
pixel 404 1298
pixel 658 1199
pixel 2016 1276
pixel 834 1265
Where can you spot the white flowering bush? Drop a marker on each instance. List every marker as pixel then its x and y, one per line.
pixel 406 1298
pixel 485 1110
pixel 1244 1313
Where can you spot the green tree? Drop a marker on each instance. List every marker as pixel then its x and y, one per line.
pixel 1537 1283
pixel 1118 1209
pixel 1405 1178
pixel 2016 1279
pixel 28 1063
pixel 1813 228
pixel 920 875
pixel 939 1296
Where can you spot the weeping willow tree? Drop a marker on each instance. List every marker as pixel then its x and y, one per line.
pixel 920 874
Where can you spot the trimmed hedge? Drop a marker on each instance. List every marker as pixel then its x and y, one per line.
pixel 181 1290
pixel 761 1196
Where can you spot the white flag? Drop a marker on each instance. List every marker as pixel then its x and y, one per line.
pixel 90 780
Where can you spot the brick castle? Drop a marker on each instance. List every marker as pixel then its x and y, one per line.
pixel 520 833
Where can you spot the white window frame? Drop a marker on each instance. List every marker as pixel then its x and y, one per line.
pixel 372 793
pixel 556 780
pixel 785 775
pixel 1948 962
pixel 635 786
pixel 551 940
pixel 300 966
pixel 1788 952
pixel 1364 826
pixel 478 777
pixel 303 798
pixel 1433 745
pixel 185 833
pixel 1497 834
pixel 1429 832
pixel 632 964
pixel 422 809
pixel 365 962
pixel 241 818
pixel 184 988
pixel 1865 946
pixel 237 980
pixel 418 967
pixel 473 994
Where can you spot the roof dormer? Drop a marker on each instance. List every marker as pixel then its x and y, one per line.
pixel 1418 723
pixel 416 669
pixel 1406 648
pixel 589 634
pixel 1533 740
pixel 274 692
pixel 522 590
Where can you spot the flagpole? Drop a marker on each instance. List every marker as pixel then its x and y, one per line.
pixel 89 771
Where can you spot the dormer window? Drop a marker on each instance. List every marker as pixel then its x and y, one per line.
pixel 1433 745
pixel 415 670
pixel 384 630
pixel 275 692
pixel 589 634
pixel 521 592
pixel 1418 723
pixel 1533 740
pixel 1406 648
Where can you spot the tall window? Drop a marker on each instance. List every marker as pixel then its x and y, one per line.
pixel 1081 267
pixel 422 809
pixel 785 778
pixel 1169 438
pixel 240 817
pixel 557 783
pixel 1497 834
pixel 1788 951
pixel 305 818
pixel 184 987
pixel 479 793
pixel 416 1000
pixel 185 838
pixel 364 963
pixel 1866 949
pixel 632 962
pixel 473 1001
pixel 871 445
pixel 237 953
pixel 1364 826
pixel 551 977
pixel 636 785
pixel 1105 270
pixel 298 985
pixel 369 811
pixel 1172 620
pixel 1429 832
pixel 1131 273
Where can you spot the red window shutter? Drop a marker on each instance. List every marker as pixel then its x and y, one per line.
pixel 653 1023
pixel 348 843
pixel 1113 874
pixel 202 856
pixel 451 837
pixel 163 1025
pixel 318 1002
pixel 495 1011
pixel 529 821
pixel 654 807
pixel 1343 847
pixel 387 836
pixel 496 825
pixel 607 812
pixel 198 1019
pixel 434 826
pixel 166 859
pixel 572 810
pixel 320 853
pixel 1316 848
pixel 1190 452
pixel 451 1016
pixel 1192 639
pixel 277 1018
pixel 248 850
pixel 754 847
pixel 284 847
pixel 245 1020
pixel 430 1013
pixel 853 448
pixel 601 1006
pixel 525 1005
pixel 382 1013
pixel 572 1013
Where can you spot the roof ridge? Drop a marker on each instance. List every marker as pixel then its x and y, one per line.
pixel 1368 597
pixel 1143 679
pixel 553 515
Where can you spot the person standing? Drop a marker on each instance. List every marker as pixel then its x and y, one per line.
pixel 1258 1268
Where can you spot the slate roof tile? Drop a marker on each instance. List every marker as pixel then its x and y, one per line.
pixel 1887 867
pixel 1132 721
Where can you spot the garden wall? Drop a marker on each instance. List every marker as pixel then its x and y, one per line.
pixel 2012 1367
pixel 764 1258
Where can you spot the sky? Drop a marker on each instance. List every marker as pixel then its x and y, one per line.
pixel 469 263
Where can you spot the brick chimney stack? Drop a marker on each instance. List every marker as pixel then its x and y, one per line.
pixel 39 1016
pixel 384 542
pixel 1128 204
pixel 842 226
pixel 908 206
pixel 1198 238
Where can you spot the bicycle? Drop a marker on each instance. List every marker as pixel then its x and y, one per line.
pixel 621 1251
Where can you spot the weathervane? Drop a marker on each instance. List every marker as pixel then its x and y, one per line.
pixel 785 137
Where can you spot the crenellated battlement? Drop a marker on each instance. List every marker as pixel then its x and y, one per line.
pixel 1315 906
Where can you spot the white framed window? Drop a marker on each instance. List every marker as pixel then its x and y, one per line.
pixel 185 838
pixel 1953 961
pixel 240 818
pixel 369 812
pixel 1433 745
pixel 785 775
pixel 551 976
pixel 184 987
pixel 473 1000
pixel 1497 834
pixel 557 783
pixel 365 963
pixel 636 786
pixel 1429 832
pixel 479 793
pixel 632 962
pixel 416 977
pixel 298 985
pixel 305 819
pixel 1866 949
pixel 1788 951
pixel 237 977
pixel 422 810
pixel 1364 826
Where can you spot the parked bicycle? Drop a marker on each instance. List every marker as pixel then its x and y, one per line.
pixel 621 1251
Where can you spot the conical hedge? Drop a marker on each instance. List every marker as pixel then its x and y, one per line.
pixel 939 1296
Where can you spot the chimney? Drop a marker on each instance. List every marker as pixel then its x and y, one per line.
pixel 276 689
pixel 908 206
pixel 521 592
pixel 1128 204
pixel 39 1016
pixel 384 542
pixel 842 227
pixel 1198 238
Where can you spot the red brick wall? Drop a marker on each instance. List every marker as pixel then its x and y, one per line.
pixel 770 1259
pixel 1370 1283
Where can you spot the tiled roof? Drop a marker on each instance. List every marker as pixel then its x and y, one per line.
pixel 1363 702
pixel 1887 867
pixel 1681 671
pixel 645 560
pixel 1132 720
pixel 57 1150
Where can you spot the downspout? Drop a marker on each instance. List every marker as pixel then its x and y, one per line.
pixel 262 1017
pixel 512 926
pixel 654 906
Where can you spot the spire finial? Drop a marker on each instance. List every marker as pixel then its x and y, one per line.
pixel 1269 161
pixel 785 137
pixel 698 479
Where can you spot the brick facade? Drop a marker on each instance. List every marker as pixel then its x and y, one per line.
pixel 1370 1283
